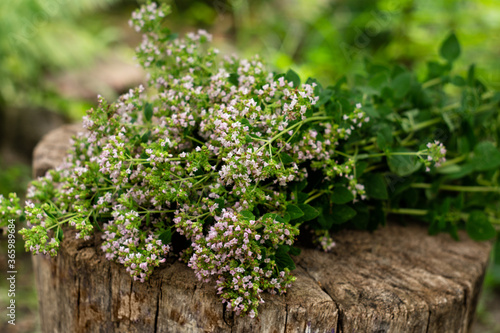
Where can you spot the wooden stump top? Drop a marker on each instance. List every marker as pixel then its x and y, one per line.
pixel 396 279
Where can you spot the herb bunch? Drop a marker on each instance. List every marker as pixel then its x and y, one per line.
pixel 224 163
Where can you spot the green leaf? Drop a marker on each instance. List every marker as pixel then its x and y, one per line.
pixel 286 217
pixel 341 195
pixel 435 69
pixel 458 81
pixel 318 88
pixel 342 213
pixel 301 197
pixel 172 36
pixel 246 122
pixel 403 165
pixel 360 168
pixel 384 136
pixel 294 211
pixel 335 215
pixel 448 120
pixel 233 79
pixel 368 90
pixel 59 234
pixel 486 156
pixel 375 186
pixel 450 49
pixel 247 215
pixel 145 137
pixel 148 111
pixel 291 76
pixel 478 227
pixel 379 81
pixel 299 186
pixel 471 75
pixel 449 169
pixel 309 212
pixel 220 205
pixel 294 251
pixel 401 84
pixel 49 214
pixel 285 158
pixel 283 259
pixel 273 216
pixel 324 97
pixel 166 237
pixel 338 214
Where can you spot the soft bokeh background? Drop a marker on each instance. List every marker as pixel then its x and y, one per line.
pixel 57 55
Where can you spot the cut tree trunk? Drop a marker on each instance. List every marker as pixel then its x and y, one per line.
pixel 396 279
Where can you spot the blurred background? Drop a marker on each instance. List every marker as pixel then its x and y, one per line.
pixel 56 56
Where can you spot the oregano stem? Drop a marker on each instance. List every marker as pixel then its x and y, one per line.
pixel 423 212
pixel 407 211
pixel 453 161
pixel 286 130
pixel 432 82
pixel 365 156
pixel 317 195
pixel 458 188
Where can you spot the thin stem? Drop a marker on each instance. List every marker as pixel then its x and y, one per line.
pixel 192 177
pixel 317 195
pixel 423 212
pixel 55 206
pixel 113 187
pixel 453 161
pixel 58 223
pixel 203 179
pixel 147 160
pixel 365 156
pixel 373 167
pixel 431 82
pixel 157 211
pixel 194 139
pixel 290 139
pixel 458 188
pixel 343 154
pixel 286 130
pixel 407 211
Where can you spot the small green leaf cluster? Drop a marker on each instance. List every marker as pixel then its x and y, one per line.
pixel 9 208
pixel 223 163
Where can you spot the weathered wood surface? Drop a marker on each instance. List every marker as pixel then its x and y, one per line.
pixel 397 279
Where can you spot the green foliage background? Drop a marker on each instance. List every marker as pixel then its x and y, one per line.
pixel 327 39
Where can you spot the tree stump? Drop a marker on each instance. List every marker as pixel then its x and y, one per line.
pixel 396 279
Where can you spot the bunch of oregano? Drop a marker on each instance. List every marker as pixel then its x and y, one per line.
pixel 222 162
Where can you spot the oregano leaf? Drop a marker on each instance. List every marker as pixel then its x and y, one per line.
pixel 166 237
pixel 148 111
pixel 341 195
pixel 478 227
pixel 450 48
pixel 291 76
